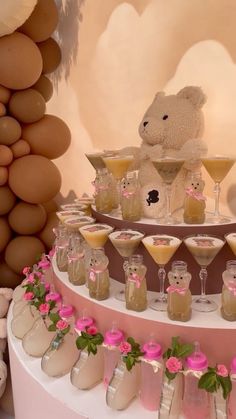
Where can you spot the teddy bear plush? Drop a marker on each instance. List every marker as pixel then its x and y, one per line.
pixel 172 126
pixel 5 298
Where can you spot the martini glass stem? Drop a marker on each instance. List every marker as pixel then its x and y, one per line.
pixel 203 277
pixel 217 199
pixel 162 277
pixel 168 202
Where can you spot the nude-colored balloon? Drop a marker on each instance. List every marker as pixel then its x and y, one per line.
pixel 5 233
pixel 45 87
pixel 27 106
pixel 42 22
pixel 7 200
pixel 47 235
pixel 21 61
pixel 34 179
pixel 50 206
pixel 3 176
pixel 49 137
pixel 27 218
pixel 51 55
pixel 5 95
pixel 10 129
pixel 3 110
pixel 20 148
pixel 6 155
pixel 8 278
pixel 23 251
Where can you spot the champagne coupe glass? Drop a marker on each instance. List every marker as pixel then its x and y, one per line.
pixel 161 247
pixel 231 240
pixel 218 167
pixel 118 165
pixel 204 249
pixel 125 242
pixel 168 168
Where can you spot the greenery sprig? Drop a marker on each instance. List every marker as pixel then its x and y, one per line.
pixel 216 378
pixel 174 356
pixel 90 340
pixel 131 352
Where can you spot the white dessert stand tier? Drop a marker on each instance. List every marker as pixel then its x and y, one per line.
pixel 37 396
pixel 150 227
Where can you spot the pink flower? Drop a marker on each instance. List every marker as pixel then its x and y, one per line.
pixel 125 347
pixel 44 308
pixel 222 370
pixel 38 274
pixel 44 263
pixel 62 325
pixel 26 270
pixel 92 330
pixel 173 364
pixel 28 296
pixel 30 278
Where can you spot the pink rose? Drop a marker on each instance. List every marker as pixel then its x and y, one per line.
pixel 26 270
pixel 222 370
pixel 173 364
pixel 44 263
pixel 28 296
pixel 44 308
pixel 62 325
pixel 92 330
pixel 125 347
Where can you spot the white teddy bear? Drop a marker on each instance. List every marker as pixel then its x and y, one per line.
pixel 5 298
pixel 172 126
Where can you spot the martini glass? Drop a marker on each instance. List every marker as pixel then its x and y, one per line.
pixel 204 249
pixel 118 166
pixel 231 240
pixel 161 247
pixel 218 167
pixel 125 242
pixel 168 168
pixel 96 160
pixel 96 235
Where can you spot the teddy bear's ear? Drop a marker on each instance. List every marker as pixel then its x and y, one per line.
pixel 7 293
pixel 194 94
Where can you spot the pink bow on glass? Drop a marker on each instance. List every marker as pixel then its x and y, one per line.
pixel 196 195
pixel 179 290
pixel 135 278
pixel 93 272
pixel 127 194
pixel 232 287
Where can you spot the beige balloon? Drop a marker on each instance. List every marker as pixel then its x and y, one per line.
pixel 42 22
pixel 5 95
pixel 7 200
pixel 49 137
pixel 34 179
pixel 6 155
pixel 3 176
pixel 5 233
pixel 3 109
pixel 51 55
pixel 27 106
pixel 20 148
pixel 9 279
pixel 45 87
pixel 21 61
pixel 50 206
pixel 23 251
pixel 27 218
pixel 47 235
pixel 10 130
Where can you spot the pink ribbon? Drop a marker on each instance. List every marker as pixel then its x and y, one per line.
pixel 99 187
pixel 93 273
pixel 173 288
pixel 135 278
pixel 232 287
pixel 196 195
pixel 127 194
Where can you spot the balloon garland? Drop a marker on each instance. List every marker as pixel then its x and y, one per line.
pixel 29 138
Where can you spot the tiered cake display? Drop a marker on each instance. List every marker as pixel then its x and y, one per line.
pixel 146 224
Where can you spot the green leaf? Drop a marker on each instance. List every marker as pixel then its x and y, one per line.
pixel 167 354
pixel 65 331
pixel 54 317
pixel 92 348
pixel 208 381
pixel 42 290
pixel 128 363
pixel 52 328
pixel 81 342
pixel 185 350
pixel 131 341
pixel 226 385
pixel 170 375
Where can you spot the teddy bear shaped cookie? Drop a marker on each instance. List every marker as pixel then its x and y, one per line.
pixel 172 127
pixel 179 297
pixel 194 202
pixel 98 275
